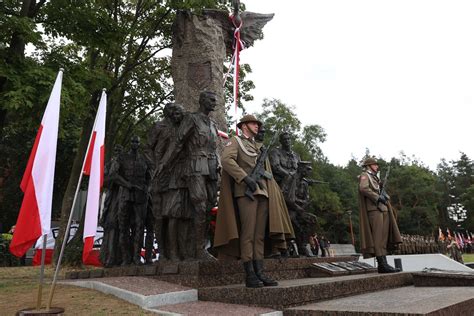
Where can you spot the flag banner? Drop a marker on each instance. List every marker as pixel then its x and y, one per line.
pixel 440 234
pixel 34 219
pixel 94 167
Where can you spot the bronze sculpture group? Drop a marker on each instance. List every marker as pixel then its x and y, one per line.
pixel 166 191
pixel 170 187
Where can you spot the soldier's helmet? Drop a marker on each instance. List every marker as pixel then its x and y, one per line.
pixel 247 119
pixel 369 161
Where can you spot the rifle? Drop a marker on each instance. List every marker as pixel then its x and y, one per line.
pixel 259 172
pixel 383 185
pixel 312 181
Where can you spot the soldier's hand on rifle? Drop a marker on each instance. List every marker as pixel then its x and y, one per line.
pixel 382 199
pixel 251 183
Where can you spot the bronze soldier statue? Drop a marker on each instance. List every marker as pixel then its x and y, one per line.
pixel 135 171
pixel 304 222
pixel 197 141
pixel 109 250
pixel 279 224
pixel 160 139
pixel 284 163
pixel 378 227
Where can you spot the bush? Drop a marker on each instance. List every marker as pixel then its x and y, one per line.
pixel 6 258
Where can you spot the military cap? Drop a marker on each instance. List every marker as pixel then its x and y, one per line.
pixel 370 161
pixel 247 119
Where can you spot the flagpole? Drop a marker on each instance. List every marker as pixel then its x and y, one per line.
pixel 66 233
pixel 41 279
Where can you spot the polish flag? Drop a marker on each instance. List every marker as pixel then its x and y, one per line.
pixel 94 168
pixel 34 219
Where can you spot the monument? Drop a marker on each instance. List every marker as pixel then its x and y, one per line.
pixel 201 44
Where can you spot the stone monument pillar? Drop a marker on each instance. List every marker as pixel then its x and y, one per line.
pixel 197 62
pixel 200 46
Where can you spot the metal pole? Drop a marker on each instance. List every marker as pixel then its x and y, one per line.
pixel 41 279
pixel 66 233
pixel 352 231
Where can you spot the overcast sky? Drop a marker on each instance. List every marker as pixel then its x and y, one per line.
pixel 390 76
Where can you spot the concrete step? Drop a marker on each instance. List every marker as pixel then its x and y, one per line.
pixel 165 298
pixel 408 300
pixel 296 292
pixel 213 309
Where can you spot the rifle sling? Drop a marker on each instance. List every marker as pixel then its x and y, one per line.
pixel 239 141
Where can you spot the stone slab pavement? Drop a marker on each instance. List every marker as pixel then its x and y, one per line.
pixel 416 263
pixel 164 298
pixel 407 300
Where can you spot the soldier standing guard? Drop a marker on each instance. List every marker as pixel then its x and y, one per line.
pixel 378 226
pixel 135 171
pixel 239 157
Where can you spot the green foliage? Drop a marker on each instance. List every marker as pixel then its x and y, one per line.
pixel 6 258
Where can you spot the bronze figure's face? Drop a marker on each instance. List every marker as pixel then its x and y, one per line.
pixel 261 134
pixel 135 143
pixel 208 101
pixel 177 114
pixel 285 140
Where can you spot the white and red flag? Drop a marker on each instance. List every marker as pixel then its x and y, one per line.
pixel 34 219
pixel 94 167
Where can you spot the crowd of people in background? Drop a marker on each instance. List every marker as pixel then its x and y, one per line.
pixel 451 244
pixel 320 246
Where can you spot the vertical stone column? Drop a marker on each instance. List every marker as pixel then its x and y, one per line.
pixel 197 61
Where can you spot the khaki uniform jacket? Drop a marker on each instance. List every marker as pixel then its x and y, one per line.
pixel 238 159
pixel 367 203
pixel 226 238
pixel 369 187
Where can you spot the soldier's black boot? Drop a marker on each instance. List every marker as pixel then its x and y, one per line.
pixel 382 267
pixel 251 279
pixel 258 268
pixel 389 267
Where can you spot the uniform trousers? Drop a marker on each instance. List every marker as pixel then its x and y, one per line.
pixel 379 224
pixel 253 221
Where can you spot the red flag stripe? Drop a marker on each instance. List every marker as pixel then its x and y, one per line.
pixel 31 160
pixel 28 225
pixel 90 153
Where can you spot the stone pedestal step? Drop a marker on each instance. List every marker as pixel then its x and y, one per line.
pixel 409 300
pixel 303 291
pixel 144 292
pixel 214 273
pixel 212 309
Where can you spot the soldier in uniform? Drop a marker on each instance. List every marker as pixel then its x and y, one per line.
pixel 197 141
pixel 134 169
pixel 239 157
pixel 378 227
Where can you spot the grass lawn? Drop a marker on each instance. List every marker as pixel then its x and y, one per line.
pixel 468 257
pixel 19 289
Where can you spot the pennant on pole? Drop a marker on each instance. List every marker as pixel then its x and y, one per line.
pixel 94 167
pixel 34 219
pixel 440 234
pixel 238 46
